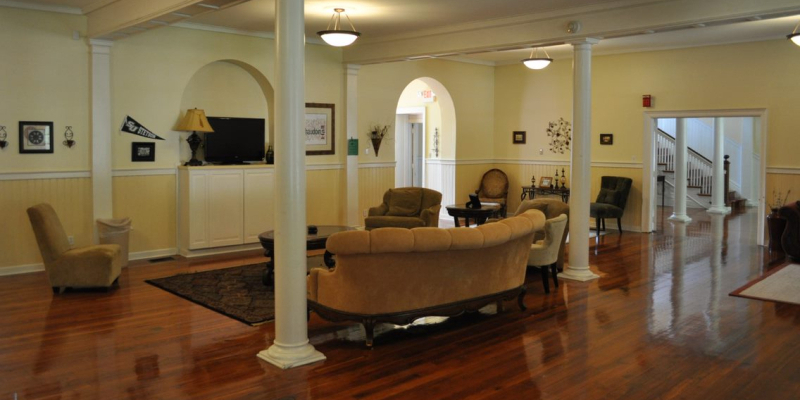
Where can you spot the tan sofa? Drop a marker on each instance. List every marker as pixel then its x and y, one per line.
pixel 409 207
pixel 397 275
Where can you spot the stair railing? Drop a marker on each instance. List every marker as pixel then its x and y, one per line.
pixel 699 169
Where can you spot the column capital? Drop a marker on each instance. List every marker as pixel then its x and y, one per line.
pixel 589 41
pixel 352 69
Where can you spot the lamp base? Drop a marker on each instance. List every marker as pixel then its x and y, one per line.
pixel 194 143
pixel 193 163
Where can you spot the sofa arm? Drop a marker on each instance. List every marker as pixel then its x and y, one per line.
pixel 431 215
pixel 379 210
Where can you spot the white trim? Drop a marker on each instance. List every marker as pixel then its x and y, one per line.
pixel 319 167
pixel 241 32
pixel 21 269
pixel 144 172
pixel 439 161
pixel 611 164
pixel 219 250
pixel 389 164
pixel 20 176
pixel 41 7
pixel 532 162
pixel 784 170
pixel 144 255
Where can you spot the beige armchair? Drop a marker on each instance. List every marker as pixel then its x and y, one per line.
pixel 409 207
pixel 544 253
pixel 494 189
pixel 551 208
pixel 90 266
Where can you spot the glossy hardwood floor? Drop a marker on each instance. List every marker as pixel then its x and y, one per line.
pixel 657 324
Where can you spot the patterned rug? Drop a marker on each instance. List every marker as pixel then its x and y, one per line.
pixel 779 285
pixel 236 292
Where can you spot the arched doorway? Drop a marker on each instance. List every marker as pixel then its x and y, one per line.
pixel 425 137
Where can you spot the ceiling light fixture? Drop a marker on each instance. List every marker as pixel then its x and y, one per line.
pixel 795 37
pixel 339 37
pixel 536 62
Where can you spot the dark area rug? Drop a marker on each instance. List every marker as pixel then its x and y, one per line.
pixel 236 292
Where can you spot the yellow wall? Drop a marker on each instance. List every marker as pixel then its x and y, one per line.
pixel 149 201
pixel 45 77
pixel 372 184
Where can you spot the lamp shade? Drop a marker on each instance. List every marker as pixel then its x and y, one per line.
pixel 194 121
pixel 795 37
pixel 339 38
pixel 537 63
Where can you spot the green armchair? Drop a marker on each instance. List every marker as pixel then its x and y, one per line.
pixel 610 201
pixel 408 207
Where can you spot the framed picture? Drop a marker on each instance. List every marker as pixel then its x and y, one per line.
pixel 546 181
pixel 606 138
pixel 143 151
pixel 320 129
pixel 519 137
pixel 35 137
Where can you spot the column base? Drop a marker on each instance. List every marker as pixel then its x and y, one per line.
pixel 680 217
pixel 285 357
pixel 719 210
pixel 575 274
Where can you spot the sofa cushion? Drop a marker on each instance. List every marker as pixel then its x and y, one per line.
pixel 600 210
pixel 397 222
pixel 391 240
pixel 405 202
pixel 607 196
pixel 431 239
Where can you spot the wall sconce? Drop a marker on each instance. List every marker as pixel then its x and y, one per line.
pixel 68 135
pixel 3 136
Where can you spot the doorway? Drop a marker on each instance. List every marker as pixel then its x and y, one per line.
pixel 410 137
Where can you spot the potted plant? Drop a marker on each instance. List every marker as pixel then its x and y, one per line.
pixel 376 135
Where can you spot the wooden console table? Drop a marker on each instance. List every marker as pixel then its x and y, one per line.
pixel 531 192
pixel 479 215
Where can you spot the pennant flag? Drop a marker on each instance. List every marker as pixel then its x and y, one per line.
pixel 131 126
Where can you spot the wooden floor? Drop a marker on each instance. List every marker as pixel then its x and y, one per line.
pixel 657 324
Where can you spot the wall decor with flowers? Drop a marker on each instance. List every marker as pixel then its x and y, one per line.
pixel 560 133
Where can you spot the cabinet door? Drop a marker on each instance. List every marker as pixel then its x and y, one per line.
pixel 198 210
pixel 225 207
pixel 259 205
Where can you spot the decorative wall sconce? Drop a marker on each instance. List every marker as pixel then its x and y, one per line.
pixel 436 142
pixel 68 135
pixel 3 136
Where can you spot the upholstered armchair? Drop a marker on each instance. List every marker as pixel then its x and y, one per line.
pixel 790 240
pixel 408 207
pixel 544 253
pixel 551 208
pixel 494 189
pixel 610 201
pixel 90 266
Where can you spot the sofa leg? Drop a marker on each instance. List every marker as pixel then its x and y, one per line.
pixel 56 290
pixel 545 278
pixel 521 298
pixel 597 226
pixel 369 328
pixel 619 225
pixel 500 307
pixel 554 270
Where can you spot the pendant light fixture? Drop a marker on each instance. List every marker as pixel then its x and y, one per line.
pixel 339 37
pixel 536 62
pixel 794 36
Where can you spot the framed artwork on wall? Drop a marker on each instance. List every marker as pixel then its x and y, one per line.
pixel 320 122
pixel 143 151
pixel 35 137
pixel 606 138
pixel 519 137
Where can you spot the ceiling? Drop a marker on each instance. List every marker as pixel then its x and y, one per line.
pixel 386 19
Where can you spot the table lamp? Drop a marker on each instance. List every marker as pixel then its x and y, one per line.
pixel 194 121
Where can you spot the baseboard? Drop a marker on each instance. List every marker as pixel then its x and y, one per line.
pixel 143 255
pixel 21 269
pixel 218 250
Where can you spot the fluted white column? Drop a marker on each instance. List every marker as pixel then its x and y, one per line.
pixel 351 81
pixel 102 204
pixel 718 168
pixel 290 347
pixel 581 168
pixel 681 182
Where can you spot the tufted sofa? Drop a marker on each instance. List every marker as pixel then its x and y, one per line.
pixel 397 275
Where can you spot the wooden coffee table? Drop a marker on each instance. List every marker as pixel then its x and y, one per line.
pixel 479 215
pixel 313 242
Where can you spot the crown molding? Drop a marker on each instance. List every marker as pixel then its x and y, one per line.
pixel 41 7
pixel 240 32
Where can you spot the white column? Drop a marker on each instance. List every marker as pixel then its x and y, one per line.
pixel 290 347
pixel 581 169
pixel 101 131
pixel 681 166
pixel 352 133
pixel 718 178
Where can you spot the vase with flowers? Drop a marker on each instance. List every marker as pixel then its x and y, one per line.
pixel 376 135
pixel 775 222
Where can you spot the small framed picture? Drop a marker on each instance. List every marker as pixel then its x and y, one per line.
pixel 143 151
pixel 320 124
pixel 519 137
pixel 35 137
pixel 606 138
pixel 546 181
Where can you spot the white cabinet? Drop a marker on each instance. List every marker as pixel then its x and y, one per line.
pixel 222 206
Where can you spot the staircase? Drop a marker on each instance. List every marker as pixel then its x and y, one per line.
pixel 699 170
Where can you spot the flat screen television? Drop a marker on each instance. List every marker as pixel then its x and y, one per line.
pixel 235 140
